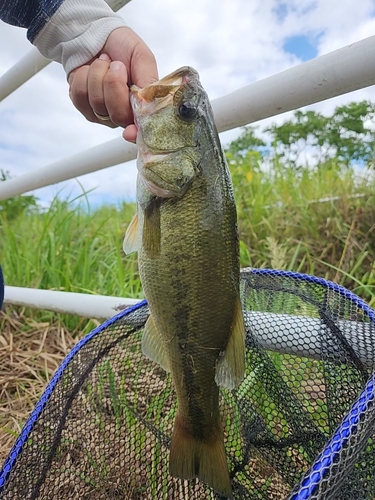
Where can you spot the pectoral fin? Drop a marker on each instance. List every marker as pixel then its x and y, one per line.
pixel 151 228
pixel 131 236
pixel 230 369
pixel 153 345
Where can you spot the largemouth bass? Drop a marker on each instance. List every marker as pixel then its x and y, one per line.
pixel 185 232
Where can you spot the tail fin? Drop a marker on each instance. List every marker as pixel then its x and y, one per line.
pixel 191 457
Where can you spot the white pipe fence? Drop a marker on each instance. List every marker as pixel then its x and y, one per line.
pixel 339 72
pixel 102 156
pixel 23 70
pixel 277 339
pixel 333 74
pixel 81 304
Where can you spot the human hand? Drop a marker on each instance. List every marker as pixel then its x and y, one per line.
pixel 100 88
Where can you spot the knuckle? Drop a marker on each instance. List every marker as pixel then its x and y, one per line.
pixel 78 84
pixel 79 92
pixel 113 79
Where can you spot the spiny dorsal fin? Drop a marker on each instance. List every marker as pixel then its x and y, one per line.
pixel 230 369
pixel 131 236
pixel 153 345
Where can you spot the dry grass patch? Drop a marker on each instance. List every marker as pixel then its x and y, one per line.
pixel 30 352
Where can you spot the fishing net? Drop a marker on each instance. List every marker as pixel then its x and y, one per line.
pixel 300 426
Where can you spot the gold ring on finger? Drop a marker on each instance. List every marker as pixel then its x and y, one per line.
pixel 103 118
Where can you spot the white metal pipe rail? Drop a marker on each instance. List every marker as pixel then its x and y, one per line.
pixel 333 74
pixel 102 307
pixel 102 156
pixel 81 304
pixel 23 70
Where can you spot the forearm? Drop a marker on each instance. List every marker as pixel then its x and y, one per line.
pixel 30 14
pixel 68 31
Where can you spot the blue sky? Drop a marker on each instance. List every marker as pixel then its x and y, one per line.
pixel 232 44
pixel 301 46
pixel 281 11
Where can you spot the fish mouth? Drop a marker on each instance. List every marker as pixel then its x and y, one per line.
pixel 161 93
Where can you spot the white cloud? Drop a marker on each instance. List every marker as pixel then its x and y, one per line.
pixel 231 43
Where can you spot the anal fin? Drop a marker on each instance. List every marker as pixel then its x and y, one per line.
pixel 153 345
pixel 230 369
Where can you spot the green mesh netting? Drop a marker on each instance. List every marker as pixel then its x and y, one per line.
pixel 102 428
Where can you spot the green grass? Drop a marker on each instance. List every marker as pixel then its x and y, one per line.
pixel 281 226
pixel 70 249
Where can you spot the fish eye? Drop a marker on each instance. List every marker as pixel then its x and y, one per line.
pixel 187 111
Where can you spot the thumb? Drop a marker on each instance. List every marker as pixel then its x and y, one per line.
pixel 126 46
pixel 143 68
